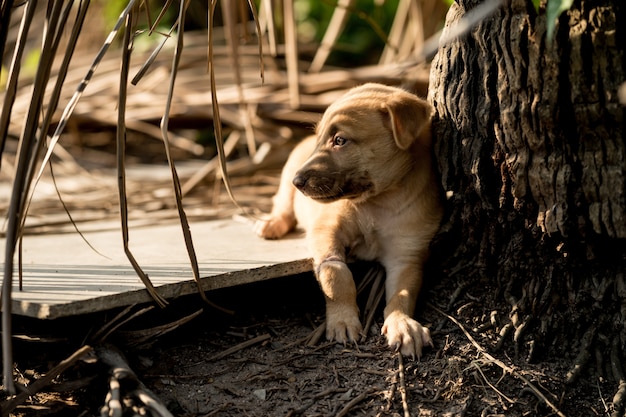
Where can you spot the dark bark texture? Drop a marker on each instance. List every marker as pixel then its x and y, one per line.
pixel 531 144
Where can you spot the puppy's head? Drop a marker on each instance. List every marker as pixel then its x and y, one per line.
pixel 367 141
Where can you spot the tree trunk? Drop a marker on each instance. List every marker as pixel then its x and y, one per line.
pixel 530 140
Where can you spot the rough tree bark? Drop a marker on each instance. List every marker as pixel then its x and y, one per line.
pixel 531 143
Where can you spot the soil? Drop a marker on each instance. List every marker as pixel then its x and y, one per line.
pixel 201 368
pixel 265 357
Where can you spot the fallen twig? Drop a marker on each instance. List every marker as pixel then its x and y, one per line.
pixel 44 381
pixel 143 336
pixel 346 409
pixel 376 294
pixel 402 386
pixel 241 346
pixel 501 364
pixel 122 318
pixel 493 387
pixel 309 404
pixel 316 335
pixel 392 392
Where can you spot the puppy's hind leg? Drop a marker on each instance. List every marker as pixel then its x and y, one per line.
pixel 282 219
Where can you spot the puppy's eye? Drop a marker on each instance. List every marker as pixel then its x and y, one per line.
pixel 339 141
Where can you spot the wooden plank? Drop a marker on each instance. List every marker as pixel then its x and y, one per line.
pixel 64 277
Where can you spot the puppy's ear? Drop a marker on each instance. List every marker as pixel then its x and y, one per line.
pixel 409 116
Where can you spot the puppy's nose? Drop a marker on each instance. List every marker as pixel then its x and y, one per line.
pixel 299 181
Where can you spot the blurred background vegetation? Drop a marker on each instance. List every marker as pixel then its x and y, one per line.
pixel 360 43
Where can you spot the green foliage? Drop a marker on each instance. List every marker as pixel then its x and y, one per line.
pixel 3 76
pixel 111 11
pixel 113 8
pixel 363 37
pixel 554 9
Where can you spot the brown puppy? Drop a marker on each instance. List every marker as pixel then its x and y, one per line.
pixel 369 191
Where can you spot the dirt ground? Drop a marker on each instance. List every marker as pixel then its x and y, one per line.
pixel 266 359
pixel 258 361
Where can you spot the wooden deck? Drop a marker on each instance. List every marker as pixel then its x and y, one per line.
pixel 63 276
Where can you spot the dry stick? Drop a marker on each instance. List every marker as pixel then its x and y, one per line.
pixel 44 381
pixel 54 98
pixel 291 53
pixel 217 122
pixel 311 402
pixel 232 40
pixel 397 32
pixel 146 65
pixel 266 20
pixel 606 407
pixel 415 41
pixel 175 180
pixel 121 156
pixel 376 294
pixel 118 322
pixel 493 387
pixel 161 15
pixel 316 334
pixel 402 386
pixel 196 178
pixel 111 324
pixel 346 409
pixel 392 391
pixel 142 336
pixel 16 64
pixel 331 35
pixel 13 211
pixel 27 152
pixel 6 8
pixel 257 26
pixel 501 364
pixel 241 346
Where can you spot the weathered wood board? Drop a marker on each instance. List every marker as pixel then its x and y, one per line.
pixel 63 276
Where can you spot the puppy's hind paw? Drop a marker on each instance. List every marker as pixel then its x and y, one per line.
pixel 406 335
pixel 273 227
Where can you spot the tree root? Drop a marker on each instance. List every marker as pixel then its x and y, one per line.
pixel 504 333
pixel 139 397
pixel 618 373
pixel 501 364
pixel 583 357
pixel 618 400
pixel 460 289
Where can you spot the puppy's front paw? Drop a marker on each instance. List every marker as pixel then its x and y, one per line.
pixel 405 334
pixel 272 227
pixel 343 325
